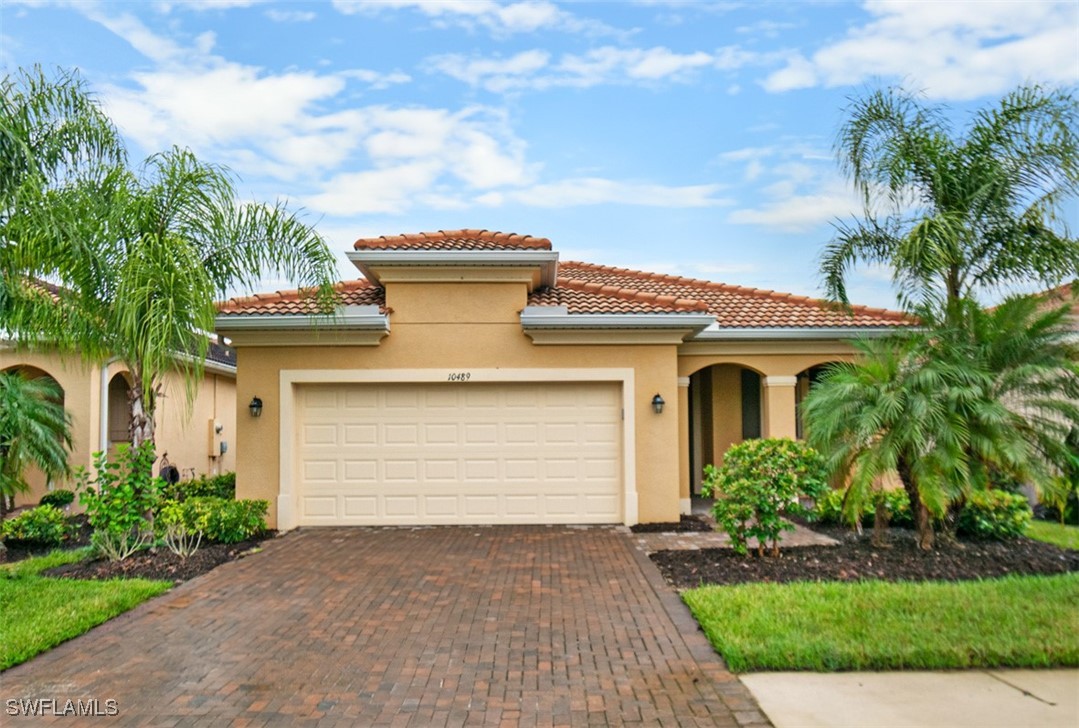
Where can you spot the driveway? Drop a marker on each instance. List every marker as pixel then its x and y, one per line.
pixel 529 626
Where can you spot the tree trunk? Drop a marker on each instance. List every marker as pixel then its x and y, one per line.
pixel 142 416
pixel 881 516
pixel 922 522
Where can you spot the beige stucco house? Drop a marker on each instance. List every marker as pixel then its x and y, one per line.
pixel 472 377
pixel 96 398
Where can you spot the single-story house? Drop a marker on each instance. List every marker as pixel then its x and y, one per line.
pixel 197 439
pixel 472 377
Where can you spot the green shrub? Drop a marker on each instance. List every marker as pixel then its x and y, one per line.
pixel 181 528
pixel 224 521
pixel 60 498
pixel 828 509
pixel 205 486
pixel 759 482
pixel 118 499
pixel 42 526
pixel 994 514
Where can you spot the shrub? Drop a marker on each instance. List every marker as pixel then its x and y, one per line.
pixel 828 509
pixel 60 498
pixel 118 499
pixel 994 514
pixel 42 526
pixel 181 527
pixel 205 486
pixel 759 482
pixel 226 521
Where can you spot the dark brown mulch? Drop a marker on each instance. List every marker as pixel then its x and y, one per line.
pixel 855 559
pixel 686 525
pixel 160 563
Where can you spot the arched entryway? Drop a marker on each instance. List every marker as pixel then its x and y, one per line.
pixel 119 411
pixel 725 408
pixel 806 380
pixel 36 479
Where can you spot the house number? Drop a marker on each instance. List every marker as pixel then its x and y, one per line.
pixel 459 376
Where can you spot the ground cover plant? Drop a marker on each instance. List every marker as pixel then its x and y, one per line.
pixel 877 625
pixel 40 612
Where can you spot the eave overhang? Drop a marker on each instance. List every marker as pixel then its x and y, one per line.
pixel 349 325
pixel 451 264
pixel 555 325
pixel 714 332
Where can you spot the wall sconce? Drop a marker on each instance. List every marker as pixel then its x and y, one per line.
pixel 657 404
pixel 255 407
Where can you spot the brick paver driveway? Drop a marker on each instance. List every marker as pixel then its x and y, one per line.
pixel 418 627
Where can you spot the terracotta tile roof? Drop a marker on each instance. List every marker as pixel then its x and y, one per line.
pixel 580 297
pixel 454 240
pixel 733 306
pixel 359 292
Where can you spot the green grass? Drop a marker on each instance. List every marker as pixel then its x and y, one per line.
pixel 37 613
pixel 1054 533
pixel 830 626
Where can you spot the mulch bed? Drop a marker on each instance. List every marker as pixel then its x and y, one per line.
pixel 160 563
pixel 688 524
pixel 855 559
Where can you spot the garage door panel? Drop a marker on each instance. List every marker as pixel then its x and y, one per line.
pixel 473 453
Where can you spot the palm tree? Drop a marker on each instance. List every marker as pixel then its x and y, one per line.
pixel 961 214
pixel 35 430
pixel 140 277
pixel 997 391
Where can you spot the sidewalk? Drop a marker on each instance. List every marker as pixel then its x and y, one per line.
pixel 974 698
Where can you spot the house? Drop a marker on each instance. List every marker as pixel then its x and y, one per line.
pixel 472 377
pixel 96 398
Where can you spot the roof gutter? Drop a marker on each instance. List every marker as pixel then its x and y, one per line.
pixel 716 333
pixel 546 260
pixel 558 317
pixel 353 318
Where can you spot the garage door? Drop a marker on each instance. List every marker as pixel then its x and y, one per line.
pixel 459 453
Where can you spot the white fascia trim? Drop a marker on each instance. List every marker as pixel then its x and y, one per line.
pixel 559 317
pixel 715 333
pixel 348 317
pixel 546 260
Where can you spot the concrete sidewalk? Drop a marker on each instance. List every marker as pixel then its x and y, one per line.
pixel 974 698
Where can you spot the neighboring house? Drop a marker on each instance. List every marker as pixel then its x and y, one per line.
pixel 96 398
pixel 470 377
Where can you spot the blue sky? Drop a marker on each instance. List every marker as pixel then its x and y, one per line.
pixel 692 138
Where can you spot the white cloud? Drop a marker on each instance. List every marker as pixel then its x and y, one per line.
pixel 949 49
pixel 597 191
pixel 534 69
pixel 290 16
pixel 376 79
pixel 525 16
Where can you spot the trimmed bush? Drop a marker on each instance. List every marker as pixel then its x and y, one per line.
pixel 828 509
pixel 42 526
pixel 225 521
pixel 205 486
pixel 60 498
pixel 994 514
pixel 759 483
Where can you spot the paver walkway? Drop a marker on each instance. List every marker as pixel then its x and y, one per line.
pixel 419 627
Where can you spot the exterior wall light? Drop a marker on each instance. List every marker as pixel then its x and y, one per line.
pixel 657 404
pixel 255 407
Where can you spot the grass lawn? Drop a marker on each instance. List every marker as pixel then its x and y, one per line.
pixel 1025 621
pixel 1054 533
pixel 38 613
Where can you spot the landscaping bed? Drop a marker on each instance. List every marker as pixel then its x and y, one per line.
pixel 856 559
pixel 688 524
pixel 160 564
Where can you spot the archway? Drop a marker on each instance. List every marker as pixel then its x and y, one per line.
pixel 806 380
pixel 39 483
pixel 725 408
pixel 119 410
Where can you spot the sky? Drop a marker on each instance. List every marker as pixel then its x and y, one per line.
pixel 684 137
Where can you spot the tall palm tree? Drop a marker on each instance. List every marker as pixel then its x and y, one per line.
pixel 963 213
pixel 35 430
pixel 140 277
pixel 996 391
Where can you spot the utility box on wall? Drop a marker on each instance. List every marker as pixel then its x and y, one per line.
pixel 215 440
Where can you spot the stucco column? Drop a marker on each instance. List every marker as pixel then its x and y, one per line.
pixel 780 414
pixel 685 502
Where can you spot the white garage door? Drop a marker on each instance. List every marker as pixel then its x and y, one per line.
pixel 459 453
